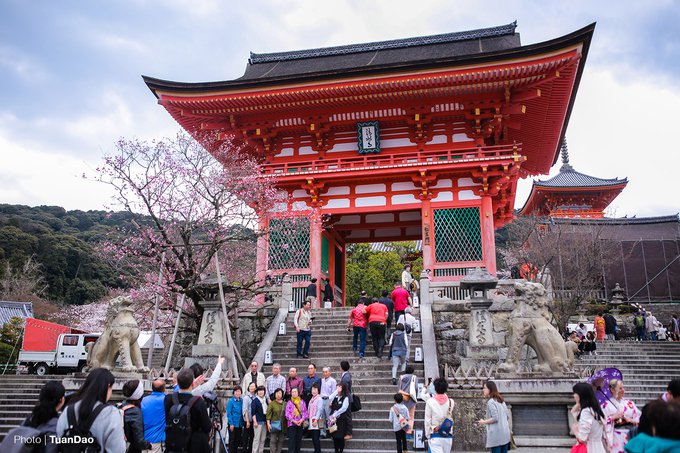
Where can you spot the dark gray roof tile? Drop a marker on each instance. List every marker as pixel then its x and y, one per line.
pixel 572 178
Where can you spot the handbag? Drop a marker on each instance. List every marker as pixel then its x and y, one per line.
pixel 579 448
pixel 447 424
pixel 412 389
pixel 332 428
pixel 402 421
pixel 276 426
pixel 356 403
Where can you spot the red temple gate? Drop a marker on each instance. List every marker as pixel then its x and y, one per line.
pixel 420 138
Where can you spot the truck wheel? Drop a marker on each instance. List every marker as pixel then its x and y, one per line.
pixel 41 369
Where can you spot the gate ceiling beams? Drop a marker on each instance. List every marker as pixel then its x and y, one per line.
pixel 319 127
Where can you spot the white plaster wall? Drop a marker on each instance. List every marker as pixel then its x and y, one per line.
pixel 371 188
pixel 444 196
pixel 341 147
pixel 467 195
pixel 443 184
pixel 404 199
pixel 407 185
pixel 300 193
pixel 300 206
pixel 467 182
pixel 370 201
pixel 342 190
pixel 337 203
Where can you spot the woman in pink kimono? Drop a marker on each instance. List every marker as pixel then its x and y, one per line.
pixel 622 414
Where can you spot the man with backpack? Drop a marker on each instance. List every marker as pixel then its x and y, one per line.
pixel 188 426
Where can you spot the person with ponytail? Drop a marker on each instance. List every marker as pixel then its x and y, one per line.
pixel 590 427
pixel 92 398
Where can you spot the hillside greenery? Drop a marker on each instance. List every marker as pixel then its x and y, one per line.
pixel 61 244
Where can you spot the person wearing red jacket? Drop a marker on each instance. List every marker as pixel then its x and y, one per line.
pixel 401 299
pixel 358 322
pixel 377 321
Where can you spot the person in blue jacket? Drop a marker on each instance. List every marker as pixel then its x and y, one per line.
pixel 153 412
pixel 235 419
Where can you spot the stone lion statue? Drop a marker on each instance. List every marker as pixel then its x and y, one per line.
pixel 530 324
pixel 119 339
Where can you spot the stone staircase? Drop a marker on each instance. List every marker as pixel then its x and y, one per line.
pixel 647 367
pixel 18 395
pixel 371 378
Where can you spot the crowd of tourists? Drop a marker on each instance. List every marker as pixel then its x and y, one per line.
pixel 618 426
pixel 605 327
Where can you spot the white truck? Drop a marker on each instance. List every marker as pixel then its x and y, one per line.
pixel 49 348
pixel 70 355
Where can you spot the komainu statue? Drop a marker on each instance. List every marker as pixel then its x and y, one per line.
pixel 530 324
pixel 118 340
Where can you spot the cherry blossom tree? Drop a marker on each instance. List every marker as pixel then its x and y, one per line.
pixel 188 205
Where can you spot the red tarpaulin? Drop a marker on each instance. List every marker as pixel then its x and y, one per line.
pixel 42 335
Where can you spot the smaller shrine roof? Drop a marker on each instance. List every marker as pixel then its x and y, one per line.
pixel 572 178
pixel 568 177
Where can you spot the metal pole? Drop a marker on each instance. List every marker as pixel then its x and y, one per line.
pixel 227 330
pixel 154 323
pixel 174 333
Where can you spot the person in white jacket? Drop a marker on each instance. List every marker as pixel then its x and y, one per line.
pixel 438 409
pixel 107 427
pixel 200 385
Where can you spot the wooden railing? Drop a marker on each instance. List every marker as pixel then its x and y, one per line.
pixel 373 161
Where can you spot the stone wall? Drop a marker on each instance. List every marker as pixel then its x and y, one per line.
pixel 470 406
pixel 252 327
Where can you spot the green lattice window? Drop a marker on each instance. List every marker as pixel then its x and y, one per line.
pixel 457 235
pixel 289 243
pixel 324 254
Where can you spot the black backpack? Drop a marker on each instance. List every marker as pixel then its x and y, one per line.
pixel 77 438
pixel 178 425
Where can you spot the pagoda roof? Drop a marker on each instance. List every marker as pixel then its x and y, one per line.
pixel 572 179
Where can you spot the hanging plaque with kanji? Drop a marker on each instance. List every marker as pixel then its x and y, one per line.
pixel 368 136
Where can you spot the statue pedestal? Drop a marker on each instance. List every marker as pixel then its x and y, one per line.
pixel 539 408
pixel 212 340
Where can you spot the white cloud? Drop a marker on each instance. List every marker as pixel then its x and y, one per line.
pixel 47 178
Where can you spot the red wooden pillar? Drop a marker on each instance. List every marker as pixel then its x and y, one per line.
pixel 428 231
pixel 315 252
pixel 488 239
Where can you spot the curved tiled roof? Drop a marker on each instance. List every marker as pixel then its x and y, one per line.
pixel 9 310
pixel 500 30
pixel 571 178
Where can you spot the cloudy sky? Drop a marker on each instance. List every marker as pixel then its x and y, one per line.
pixel 70 78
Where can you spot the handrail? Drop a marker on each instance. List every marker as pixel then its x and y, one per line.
pixel 281 314
pixel 430 360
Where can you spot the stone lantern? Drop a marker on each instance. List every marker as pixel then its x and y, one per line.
pixel 481 344
pixel 617 299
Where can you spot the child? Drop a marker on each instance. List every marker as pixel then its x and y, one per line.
pixel 397 410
